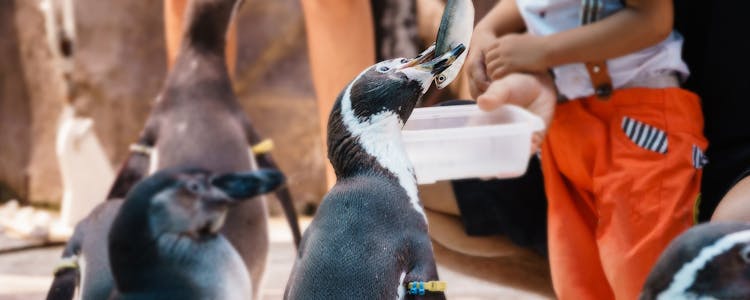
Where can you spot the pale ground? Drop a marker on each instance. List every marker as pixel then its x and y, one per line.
pixel 26 275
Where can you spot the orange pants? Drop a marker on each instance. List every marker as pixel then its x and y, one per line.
pixel 622 181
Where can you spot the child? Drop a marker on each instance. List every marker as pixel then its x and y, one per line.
pixel 623 153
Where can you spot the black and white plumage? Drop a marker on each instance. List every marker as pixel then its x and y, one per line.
pixel 710 261
pixel 369 236
pixel 165 244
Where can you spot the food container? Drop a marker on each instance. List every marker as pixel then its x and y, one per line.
pixel 457 142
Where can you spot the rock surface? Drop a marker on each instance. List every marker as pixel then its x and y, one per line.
pixel 119 68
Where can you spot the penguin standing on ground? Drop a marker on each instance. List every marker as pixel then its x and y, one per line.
pixel 369 236
pixel 165 243
pixel 196 121
pixel 710 261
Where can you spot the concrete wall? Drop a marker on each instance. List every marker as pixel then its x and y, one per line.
pixel 30 98
pixel 15 113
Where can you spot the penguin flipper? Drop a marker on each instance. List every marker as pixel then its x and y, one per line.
pixel 131 172
pixel 67 273
pixel 285 198
pixel 63 285
pixel 136 166
pixel 287 204
pixel 265 160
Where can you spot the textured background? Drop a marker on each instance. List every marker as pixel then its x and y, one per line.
pixel 120 66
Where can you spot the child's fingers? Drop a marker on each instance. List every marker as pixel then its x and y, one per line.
pixel 498 66
pixel 533 92
pixel 497 94
pixel 477 88
pixel 493 62
pixel 536 142
pixel 500 72
pixel 478 81
pixel 543 105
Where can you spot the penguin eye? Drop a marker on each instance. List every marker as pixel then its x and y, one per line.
pixel 193 187
pixel 441 78
pixel 383 69
pixel 745 254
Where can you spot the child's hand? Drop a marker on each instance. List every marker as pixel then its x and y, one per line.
pixel 534 92
pixel 475 66
pixel 513 53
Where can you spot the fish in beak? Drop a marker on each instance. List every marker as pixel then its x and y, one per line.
pixel 425 67
pixel 455 29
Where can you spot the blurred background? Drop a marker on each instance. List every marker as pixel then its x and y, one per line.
pixel 119 65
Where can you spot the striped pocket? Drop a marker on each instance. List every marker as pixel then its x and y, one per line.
pixel 645 136
pixel 699 159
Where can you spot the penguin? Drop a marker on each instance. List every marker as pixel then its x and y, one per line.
pixel 369 238
pixel 165 241
pixel 196 121
pixel 709 261
pixel 83 272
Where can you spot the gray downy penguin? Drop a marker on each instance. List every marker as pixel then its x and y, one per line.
pixel 369 236
pixel 165 243
pixel 709 261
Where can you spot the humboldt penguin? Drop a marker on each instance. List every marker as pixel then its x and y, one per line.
pixel 709 261
pixel 165 241
pixel 369 236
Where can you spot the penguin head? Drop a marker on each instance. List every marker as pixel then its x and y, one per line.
pixel 194 203
pixel 710 261
pixel 396 85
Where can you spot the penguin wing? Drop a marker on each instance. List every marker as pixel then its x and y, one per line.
pixel 66 272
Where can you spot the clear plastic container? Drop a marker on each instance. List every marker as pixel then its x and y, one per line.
pixel 457 142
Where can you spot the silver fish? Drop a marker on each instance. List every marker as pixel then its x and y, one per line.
pixel 456 27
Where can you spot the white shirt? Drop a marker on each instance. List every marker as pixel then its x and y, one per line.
pixel 545 17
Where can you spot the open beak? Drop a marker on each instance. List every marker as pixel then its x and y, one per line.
pixel 421 58
pixel 426 60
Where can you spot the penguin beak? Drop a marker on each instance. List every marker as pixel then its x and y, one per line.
pixel 426 63
pixel 423 57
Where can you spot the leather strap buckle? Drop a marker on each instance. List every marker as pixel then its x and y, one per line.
pixel 600 80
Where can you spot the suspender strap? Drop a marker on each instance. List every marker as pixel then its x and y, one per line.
pixel 600 79
pixel 598 72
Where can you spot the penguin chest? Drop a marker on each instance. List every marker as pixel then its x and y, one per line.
pixel 215 269
pixel 234 273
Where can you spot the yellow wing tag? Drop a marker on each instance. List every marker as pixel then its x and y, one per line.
pixel 435 286
pixel 263 147
pixel 137 148
pixel 67 263
pixel 421 287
